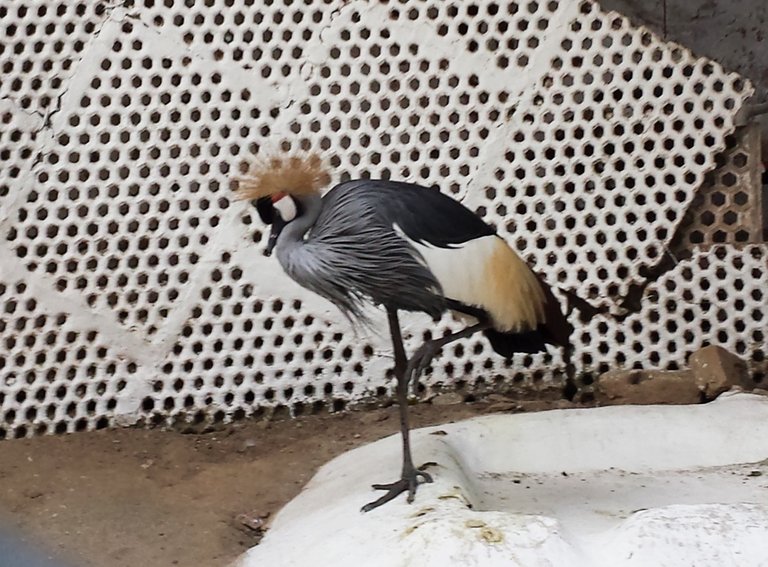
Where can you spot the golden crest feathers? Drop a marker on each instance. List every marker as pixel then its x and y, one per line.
pixel 294 175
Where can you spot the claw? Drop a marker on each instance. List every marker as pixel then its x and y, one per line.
pixel 409 482
pixel 420 361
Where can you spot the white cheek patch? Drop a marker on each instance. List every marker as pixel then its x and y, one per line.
pixel 287 208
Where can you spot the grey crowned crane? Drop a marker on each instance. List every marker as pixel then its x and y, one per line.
pixel 405 248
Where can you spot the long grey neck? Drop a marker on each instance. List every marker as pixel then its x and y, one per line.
pixel 292 236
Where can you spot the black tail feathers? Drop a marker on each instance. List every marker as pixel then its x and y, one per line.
pixel 507 344
pixel 556 330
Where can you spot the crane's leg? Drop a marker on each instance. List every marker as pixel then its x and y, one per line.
pixel 409 478
pixel 426 352
pixel 404 373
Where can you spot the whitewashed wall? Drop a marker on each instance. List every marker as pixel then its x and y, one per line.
pixel 132 287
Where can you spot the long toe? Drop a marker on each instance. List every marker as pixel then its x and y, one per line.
pixel 425 476
pixel 393 490
pixel 420 362
pixel 388 486
pixel 408 483
pixel 423 357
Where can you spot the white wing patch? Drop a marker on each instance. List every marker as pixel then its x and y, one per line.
pixel 485 272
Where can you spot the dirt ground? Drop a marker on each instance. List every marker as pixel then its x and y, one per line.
pixel 161 498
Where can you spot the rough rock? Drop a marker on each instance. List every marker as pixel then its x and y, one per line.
pixel 448 399
pixel 717 370
pixel 647 387
pixel 374 416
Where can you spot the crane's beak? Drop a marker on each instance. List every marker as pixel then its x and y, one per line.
pixel 276 229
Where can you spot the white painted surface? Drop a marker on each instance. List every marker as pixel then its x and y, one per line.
pixel 634 486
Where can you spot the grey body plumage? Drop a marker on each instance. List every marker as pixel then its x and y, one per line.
pixel 345 248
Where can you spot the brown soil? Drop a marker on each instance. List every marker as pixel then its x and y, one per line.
pixel 154 498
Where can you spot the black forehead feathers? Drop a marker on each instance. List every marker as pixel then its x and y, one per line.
pixel 265 209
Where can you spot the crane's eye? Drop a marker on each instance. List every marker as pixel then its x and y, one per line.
pixel 286 208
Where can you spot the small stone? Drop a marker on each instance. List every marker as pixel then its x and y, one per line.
pixel 717 370
pixel 374 416
pixel 647 387
pixel 247 444
pixel 498 399
pixel 499 407
pixel 252 523
pixel 449 399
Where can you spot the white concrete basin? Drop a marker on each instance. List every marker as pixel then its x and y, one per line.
pixel 649 486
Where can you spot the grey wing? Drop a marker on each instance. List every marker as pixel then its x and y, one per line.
pixel 357 256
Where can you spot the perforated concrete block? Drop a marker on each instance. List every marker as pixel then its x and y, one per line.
pixel 581 138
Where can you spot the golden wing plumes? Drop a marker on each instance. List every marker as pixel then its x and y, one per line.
pixel 294 175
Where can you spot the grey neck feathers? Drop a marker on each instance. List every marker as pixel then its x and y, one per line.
pixel 292 236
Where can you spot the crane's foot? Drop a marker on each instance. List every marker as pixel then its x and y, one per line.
pixel 420 362
pixel 409 482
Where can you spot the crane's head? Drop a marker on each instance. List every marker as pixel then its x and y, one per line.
pixel 277 211
pixel 276 184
